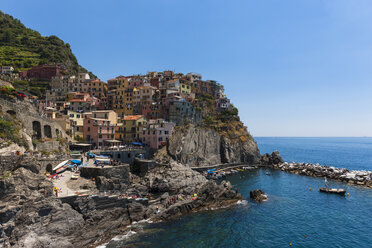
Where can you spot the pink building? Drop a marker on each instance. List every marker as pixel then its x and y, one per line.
pixel 156 133
pixel 99 126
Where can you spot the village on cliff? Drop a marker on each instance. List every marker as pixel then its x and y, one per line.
pixel 127 110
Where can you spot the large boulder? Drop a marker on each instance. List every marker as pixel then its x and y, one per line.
pixel 271 159
pixel 258 195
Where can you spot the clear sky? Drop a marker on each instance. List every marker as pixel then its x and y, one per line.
pixel 292 67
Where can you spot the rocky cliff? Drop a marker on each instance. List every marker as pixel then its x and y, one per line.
pixel 22 128
pixel 31 216
pixel 197 146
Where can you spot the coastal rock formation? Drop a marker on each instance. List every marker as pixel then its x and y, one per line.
pixel 174 178
pixel 315 170
pixel 31 216
pixel 196 147
pixel 258 195
pixel 270 159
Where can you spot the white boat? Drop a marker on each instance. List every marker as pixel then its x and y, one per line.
pixel 75 176
pixel 60 165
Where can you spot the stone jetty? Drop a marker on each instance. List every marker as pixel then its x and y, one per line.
pixel 363 178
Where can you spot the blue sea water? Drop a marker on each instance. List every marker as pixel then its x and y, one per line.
pixel 294 214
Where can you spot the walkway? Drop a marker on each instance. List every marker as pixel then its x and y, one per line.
pixel 61 183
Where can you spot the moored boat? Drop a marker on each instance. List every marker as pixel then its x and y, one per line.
pixel 60 165
pixel 61 169
pixel 333 191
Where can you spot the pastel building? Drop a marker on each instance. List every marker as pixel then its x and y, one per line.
pixel 156 133
pixel 99 126
pixel 76 124
pixel 131 127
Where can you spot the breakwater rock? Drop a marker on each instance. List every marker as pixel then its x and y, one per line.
pixel 316 170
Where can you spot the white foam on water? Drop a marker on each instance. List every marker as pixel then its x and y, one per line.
pixel 242 202
pixel 102 246
pixel 125 236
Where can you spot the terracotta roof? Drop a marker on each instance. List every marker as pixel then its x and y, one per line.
pixel 132 117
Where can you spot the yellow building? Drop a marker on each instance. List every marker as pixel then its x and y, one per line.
pixel 97 88
pixel 132 125
pixel 76 124
pixel 123 99
pixel 185 89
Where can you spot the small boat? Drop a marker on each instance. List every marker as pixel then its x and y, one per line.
pixel 61 169
pixel 75 176
pixel 268 173
pixel 333 191
pixel 76 161
pixel 60 165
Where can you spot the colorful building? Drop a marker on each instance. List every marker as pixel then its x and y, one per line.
pixel 99 126
pixel 76 124
pixel 156 133
pixel 123 99
pixel 131 127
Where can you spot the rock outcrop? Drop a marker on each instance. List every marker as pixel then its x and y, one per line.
pixel 30 215
pixel 270 159
pixel 258 195
pixel 48 136
pixel 196 146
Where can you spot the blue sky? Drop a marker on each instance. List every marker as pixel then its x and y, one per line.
pixel 292 67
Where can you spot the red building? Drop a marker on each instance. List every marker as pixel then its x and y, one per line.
pixel 44 72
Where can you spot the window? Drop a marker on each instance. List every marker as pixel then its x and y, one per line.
pixel 100 136
pixel 72 115
pixel 160 132
pixel 166 132
pixel 88 129
pixel 160 139
pixel 88 121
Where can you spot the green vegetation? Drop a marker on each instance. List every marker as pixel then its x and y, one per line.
pixel 9 131
pixel 227 123
pixel 24 48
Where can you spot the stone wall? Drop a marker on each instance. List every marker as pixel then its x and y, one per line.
pixel 35 126
pixel 11 163
pixel 111 178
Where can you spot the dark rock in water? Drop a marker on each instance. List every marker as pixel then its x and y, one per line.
pixel 271 159
pixel 258 195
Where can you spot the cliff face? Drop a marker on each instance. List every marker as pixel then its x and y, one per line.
pixel 195 147
pixel 24 129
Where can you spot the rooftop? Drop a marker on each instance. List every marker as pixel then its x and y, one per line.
pixel 132 117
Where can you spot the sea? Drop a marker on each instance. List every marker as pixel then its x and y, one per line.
pixel 296 213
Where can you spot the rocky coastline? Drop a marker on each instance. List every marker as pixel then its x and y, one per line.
pixel 274 161
pixel 31 216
